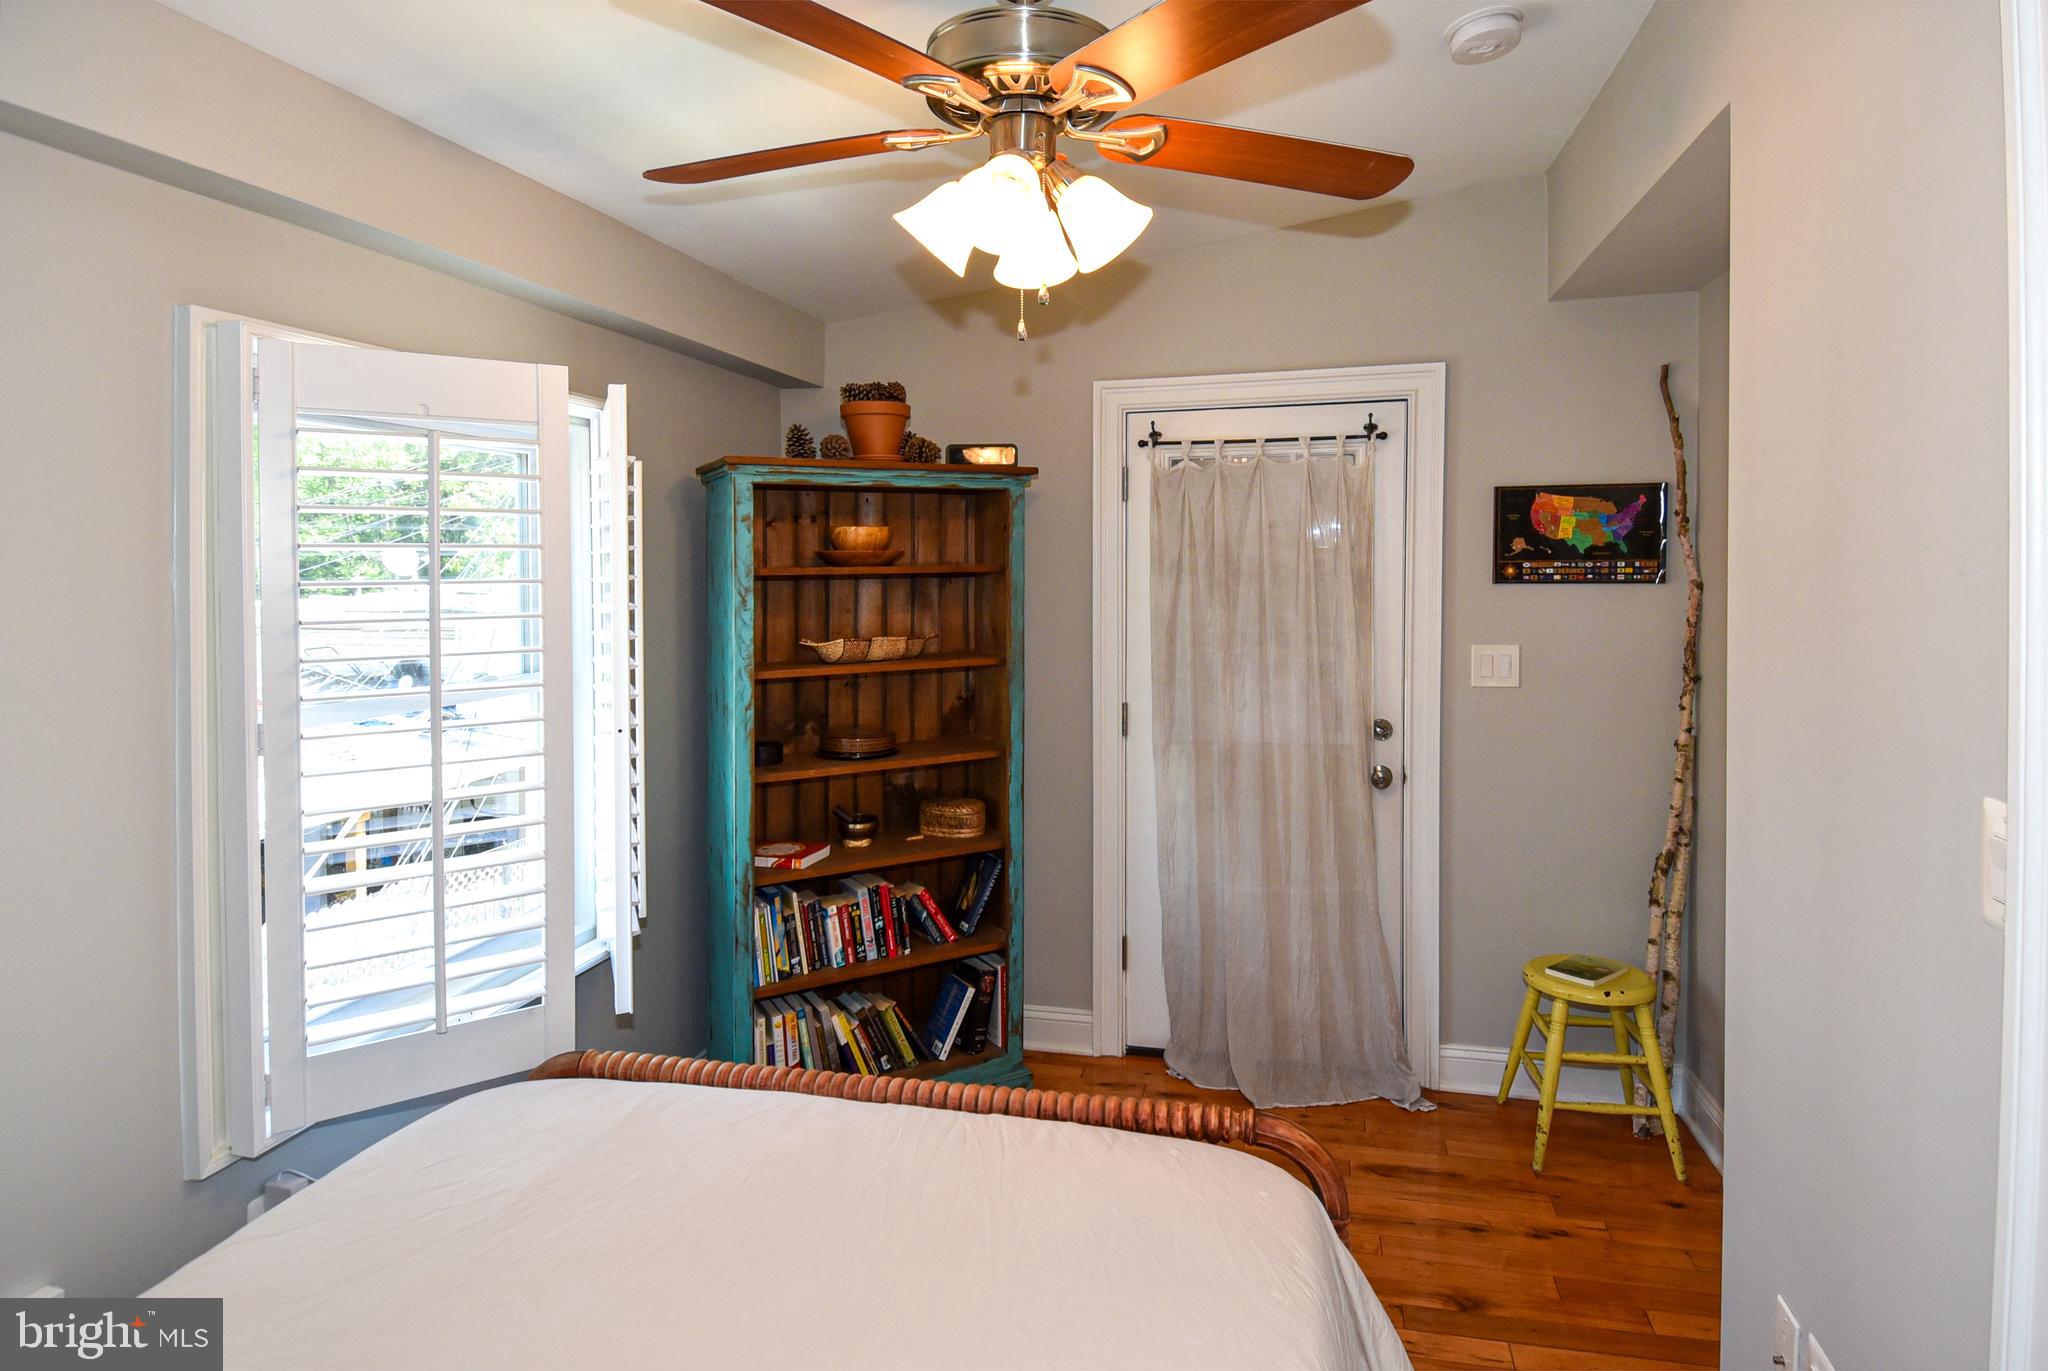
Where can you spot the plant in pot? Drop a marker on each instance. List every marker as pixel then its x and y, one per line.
pixel 875 414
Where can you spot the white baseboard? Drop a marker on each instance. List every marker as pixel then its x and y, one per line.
pixel 1467 1070
pixel 1701 1112
pixel 1050 1028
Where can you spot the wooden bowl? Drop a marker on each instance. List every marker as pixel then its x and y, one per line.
pixel 861 537
pixel 852 744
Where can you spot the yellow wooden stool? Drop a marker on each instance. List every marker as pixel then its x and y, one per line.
pixel 1629 993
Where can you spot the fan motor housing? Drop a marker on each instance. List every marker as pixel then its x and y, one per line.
pixel 1011 33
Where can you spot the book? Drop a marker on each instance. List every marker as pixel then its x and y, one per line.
pixel 791 856
pixel 976 891
pixel 999 1008
pixel 932 921
pixel 1586 971
pixel 949 1011
pixel 974 1032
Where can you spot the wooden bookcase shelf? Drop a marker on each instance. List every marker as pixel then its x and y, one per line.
pixel 981 940
pixel 957 713
pixel 887 851
pixel 865 573
pixel 909 757
pixel 940 661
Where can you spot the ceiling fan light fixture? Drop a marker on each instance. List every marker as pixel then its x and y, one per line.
pixel 944 223
pixel 1100 220
pixel 1037 256
pixel 999 197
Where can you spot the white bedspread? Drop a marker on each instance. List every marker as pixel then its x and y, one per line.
pixel 602 1224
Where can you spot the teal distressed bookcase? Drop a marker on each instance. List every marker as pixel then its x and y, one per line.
pixel 957 711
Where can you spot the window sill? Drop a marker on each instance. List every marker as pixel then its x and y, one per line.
pixel 591 953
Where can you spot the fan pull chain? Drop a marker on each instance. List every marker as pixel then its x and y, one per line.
pixel 1022 332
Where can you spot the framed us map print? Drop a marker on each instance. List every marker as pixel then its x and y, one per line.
pixel 1579 534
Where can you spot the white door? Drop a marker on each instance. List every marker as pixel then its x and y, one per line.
pixel 1145 1016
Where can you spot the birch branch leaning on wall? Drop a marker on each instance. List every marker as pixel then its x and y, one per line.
pixel 1671 876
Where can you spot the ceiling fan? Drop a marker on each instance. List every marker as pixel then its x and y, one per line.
pixel 1024 74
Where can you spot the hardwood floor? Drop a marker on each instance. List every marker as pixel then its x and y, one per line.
pixel 1604 1261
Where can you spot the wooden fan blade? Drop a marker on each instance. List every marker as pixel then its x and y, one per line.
pixel 828 30
pixel 776 159
pixel 1271 159
pixel 1178 40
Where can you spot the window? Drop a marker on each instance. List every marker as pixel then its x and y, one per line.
pixel 412 675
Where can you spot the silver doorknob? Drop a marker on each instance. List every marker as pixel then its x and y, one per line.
pixel 1382 777
pixel 1382 729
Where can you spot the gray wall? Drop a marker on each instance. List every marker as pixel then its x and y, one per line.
pixel 92 261
pixel 1865 646
pixel 1539 391
pixel 1701 1040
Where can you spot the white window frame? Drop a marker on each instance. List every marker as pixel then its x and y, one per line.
pixel 217 1061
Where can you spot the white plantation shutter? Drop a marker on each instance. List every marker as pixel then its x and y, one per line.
pixel 610 761
pixel 414 651
pixel 633 737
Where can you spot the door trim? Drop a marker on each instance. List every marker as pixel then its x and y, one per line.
pixel 1421 385
pixel 2020 1253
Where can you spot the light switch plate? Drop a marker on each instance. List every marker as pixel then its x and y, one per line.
pixel 1991 864
pixel 1496 664
pixel 1784 1339
pixel 1817 1360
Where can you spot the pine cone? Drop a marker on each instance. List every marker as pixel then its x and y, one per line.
pixel 797 442
pixel 835 448
pixel 855 391
pixel 917 449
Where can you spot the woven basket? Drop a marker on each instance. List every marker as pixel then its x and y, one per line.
pixel 838 650
pixel 850 650
pixel 952 816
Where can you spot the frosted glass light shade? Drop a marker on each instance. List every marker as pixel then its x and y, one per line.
pixel 1001 195
pixel 944 223
pixel 1037 255
pixel 1100 220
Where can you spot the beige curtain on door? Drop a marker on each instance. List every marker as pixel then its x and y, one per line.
pixel 1278 977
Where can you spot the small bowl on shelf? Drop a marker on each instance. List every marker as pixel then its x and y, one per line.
pixel 860 537
pixel 856 829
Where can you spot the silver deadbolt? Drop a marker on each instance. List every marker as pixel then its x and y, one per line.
pixel 1382 729
pixel 1382 777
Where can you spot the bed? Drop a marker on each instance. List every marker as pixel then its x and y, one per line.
pixel 622 1210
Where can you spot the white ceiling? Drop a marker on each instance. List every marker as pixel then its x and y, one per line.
pixel 582 95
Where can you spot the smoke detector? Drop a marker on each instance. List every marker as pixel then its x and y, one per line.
pixel 1484 35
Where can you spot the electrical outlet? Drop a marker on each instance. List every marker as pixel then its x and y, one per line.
pixel 1785 1339
pixel 1817 1360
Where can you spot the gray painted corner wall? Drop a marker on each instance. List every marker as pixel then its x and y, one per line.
pixel 1865 648
pixel 96 260
pixel 1554 794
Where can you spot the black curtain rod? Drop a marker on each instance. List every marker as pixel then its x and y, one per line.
pixel 1372 430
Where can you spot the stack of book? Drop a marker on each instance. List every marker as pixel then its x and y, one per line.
pixel 971 1012
pixel 854 1031
pixel 868 1033
pixel 859 918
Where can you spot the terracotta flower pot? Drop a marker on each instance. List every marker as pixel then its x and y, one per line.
pixel 876 427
